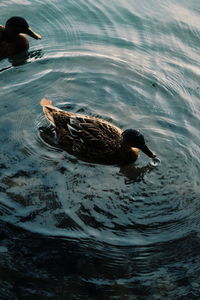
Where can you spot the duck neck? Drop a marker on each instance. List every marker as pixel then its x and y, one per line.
pixel 129 154
pixel 125 147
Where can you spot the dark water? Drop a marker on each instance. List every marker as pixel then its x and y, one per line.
pixel 73 230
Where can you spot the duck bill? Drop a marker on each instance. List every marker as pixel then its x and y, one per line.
pixel 33 34
pixel 147 151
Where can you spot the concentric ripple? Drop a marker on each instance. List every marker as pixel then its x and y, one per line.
pixel 128 232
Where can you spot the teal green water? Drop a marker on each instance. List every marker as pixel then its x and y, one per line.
pixel 74 230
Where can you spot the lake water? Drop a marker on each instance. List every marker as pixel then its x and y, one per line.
pixel 74 230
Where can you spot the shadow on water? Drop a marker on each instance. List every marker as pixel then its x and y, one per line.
pixel 23 58
pixel 55 268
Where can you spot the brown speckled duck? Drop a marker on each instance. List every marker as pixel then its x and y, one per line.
pixel 92 139
pixel 13 39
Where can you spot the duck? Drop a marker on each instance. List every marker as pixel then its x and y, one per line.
pixel 93 139
pixel 13 36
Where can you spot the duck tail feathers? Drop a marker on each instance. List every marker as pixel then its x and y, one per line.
pixel 45 102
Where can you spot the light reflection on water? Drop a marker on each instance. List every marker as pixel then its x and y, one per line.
pixel 126 232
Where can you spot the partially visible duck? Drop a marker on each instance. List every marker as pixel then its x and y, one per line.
pixel 13 39
pixel 92 139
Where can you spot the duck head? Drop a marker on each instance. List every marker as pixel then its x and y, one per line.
pixel 133 138
pixel 16 25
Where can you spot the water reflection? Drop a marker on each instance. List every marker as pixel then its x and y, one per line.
pixel 134 173
pixel 23 58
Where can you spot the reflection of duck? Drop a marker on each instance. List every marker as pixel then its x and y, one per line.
pixel 134 173
pixel 93 139
pixel 13 39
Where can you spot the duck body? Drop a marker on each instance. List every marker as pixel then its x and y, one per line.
pixel 13 37
pixel 89 138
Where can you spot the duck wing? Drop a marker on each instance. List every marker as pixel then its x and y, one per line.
pixel 93 132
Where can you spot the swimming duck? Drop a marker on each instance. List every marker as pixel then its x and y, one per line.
pixel 93 139
pixel 13 39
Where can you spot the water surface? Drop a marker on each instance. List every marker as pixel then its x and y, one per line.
pixel 74 230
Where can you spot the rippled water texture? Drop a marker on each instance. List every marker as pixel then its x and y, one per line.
pixel 74 230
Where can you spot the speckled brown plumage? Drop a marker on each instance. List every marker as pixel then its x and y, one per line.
pixel 89 138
